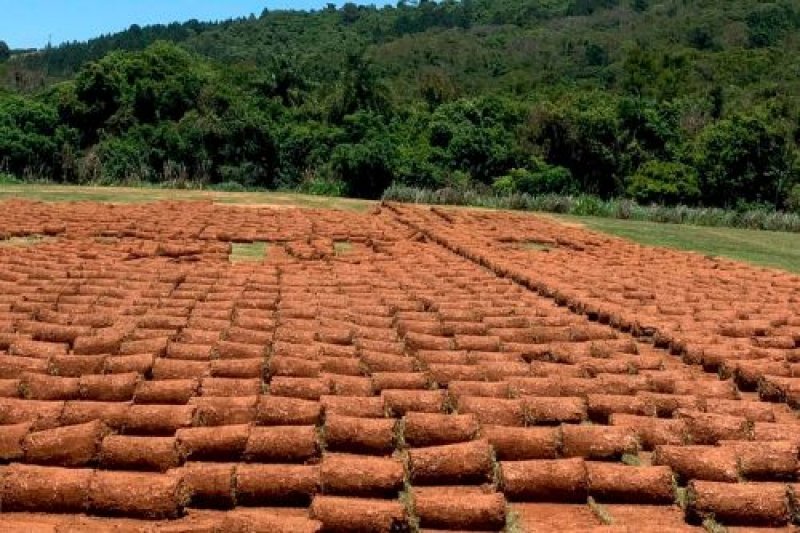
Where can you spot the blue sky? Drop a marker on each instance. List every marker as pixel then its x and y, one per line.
pixel 29 23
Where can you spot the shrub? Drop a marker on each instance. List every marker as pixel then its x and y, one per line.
pixel 665 183
pixel 244 173
pixel 507 184
pixel 8 179
pixel 397 192
pixel 588 205
pixel 541 179
pixel 625 209
pixel 121 159
pixel 323 186
pixel 228 186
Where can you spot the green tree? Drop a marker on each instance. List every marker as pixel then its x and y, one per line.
pixel 436 86
pixel 121 90
pixel 477 137
pixel 648 130
pixel 640 69
pixel 286 81
pixel 596 55
pixel 27 135
pixel 5 51
pixel 767 23
pixel 587 7
pixel 360 89
pixel 350 13
pixel 582 135
pixel 366 167
pixel 745 158
pixel 702 37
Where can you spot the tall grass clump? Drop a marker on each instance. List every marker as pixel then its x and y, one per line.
pixel 9 179
pixel 758 218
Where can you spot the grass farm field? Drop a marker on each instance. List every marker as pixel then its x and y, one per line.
pixel 765 248
pixel 206 366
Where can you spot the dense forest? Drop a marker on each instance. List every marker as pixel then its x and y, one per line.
pixel 669 101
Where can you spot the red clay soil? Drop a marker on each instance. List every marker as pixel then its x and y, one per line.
pixel 438 375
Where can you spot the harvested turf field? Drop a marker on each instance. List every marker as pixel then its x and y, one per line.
pixel 201 367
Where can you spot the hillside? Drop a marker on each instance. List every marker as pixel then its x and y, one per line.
pixel 668 101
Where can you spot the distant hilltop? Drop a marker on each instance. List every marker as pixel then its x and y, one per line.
pixel 665 102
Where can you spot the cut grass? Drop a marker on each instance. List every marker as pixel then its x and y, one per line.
pixel 764 248
pixel 513 521
pixel 407 494
pixel 248 252
pixel 342 247
pixel 682 497
pixel 23 242
pixel 712 526
pixel 74 193
pixel 534 246
pixel 600 511
pixel 630 459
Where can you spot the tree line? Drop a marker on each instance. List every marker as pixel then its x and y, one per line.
pixel 671 102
